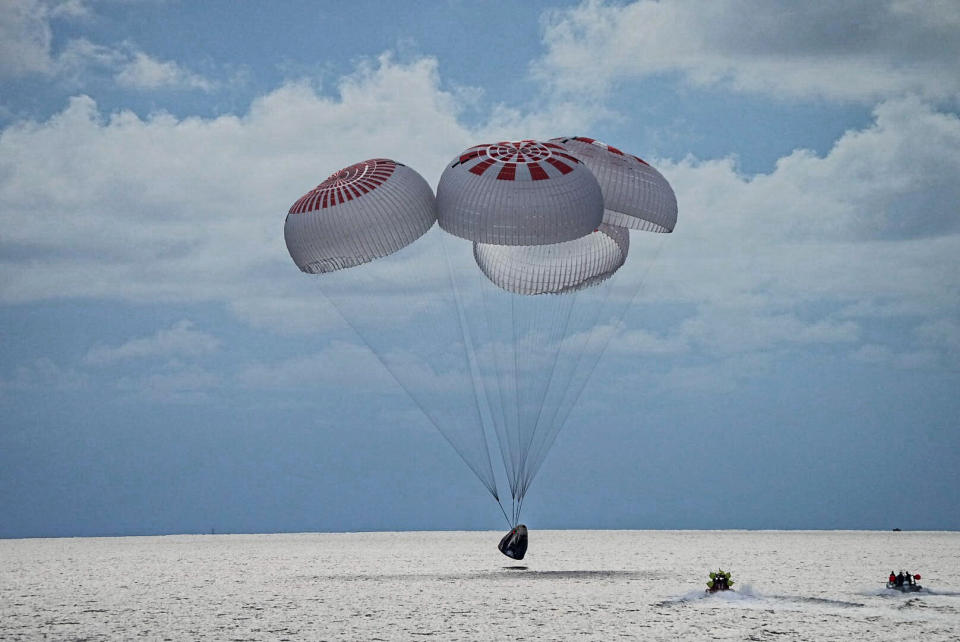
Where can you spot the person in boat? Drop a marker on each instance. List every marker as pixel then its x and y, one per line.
pixel 900 578
pixel 892 579
pixel 720 582
pixel 908 576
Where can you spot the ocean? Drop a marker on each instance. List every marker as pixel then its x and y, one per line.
pixel 590 585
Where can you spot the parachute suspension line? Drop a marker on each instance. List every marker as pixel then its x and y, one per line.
pixel 491 348
pixel 470 355
pixel 561 385
pixel 606 343
pixel 495 369
pixel 543 397
pixel 566 386
pixel 619 316
pixel 333 304
pixel 516 391
pixel 509 525
pixel 541 319
pixel 516 512
pixel 595 335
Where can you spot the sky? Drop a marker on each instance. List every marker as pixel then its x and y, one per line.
pixel 793 359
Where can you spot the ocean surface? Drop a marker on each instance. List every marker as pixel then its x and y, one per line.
pixel 457 586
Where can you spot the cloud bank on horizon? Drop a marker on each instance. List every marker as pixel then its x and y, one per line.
pixel 850 253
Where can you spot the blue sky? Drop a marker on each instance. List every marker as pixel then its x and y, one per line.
pixel 793 361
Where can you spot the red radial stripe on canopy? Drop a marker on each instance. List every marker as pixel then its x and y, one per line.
pixel 601 145
pixel 345 185
pixel 563 167
pixel 537 173
pixel 508 172
pixel 507 156
pixel 593 141
pixel 481 167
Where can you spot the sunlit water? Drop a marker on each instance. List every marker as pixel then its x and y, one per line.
pixel 455 585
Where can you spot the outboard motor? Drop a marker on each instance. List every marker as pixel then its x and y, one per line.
pixel 514 543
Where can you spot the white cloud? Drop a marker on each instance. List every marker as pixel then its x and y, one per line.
pixel 25 38
pixel 179 340
pixel 641 341
pixel 875 219
pixel 941 333
pixel 44 374
pixel 859 50
pixel 80 55
pixel 723 330
pixel 130 68
pixel 193 209
pixel 340 363
pixel 720 376
pixel 174 384
pixel 164 209
pixel 355 367
pixel 144 72
pixel 880 355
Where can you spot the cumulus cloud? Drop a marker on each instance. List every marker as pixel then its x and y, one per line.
pixel 176 383
pixel 857 50
pixel 881 355
pixel 144 72
pixel 119 206
pixel 356 367
pixel 43 374
pixel 81 59
pixel 25 38
pixel 26 47
pixel 724 329
pixel 177 341
pixel 875 218
pixel 339 363
pixel 941 333
pixel 164 209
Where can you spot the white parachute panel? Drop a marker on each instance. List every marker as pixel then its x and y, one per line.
pixel 518 193
pixel 555 268
pixel 635 195
pixel 363 212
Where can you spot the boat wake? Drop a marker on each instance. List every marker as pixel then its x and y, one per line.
pixel 741 594
pixel 747 595
pixel 935 592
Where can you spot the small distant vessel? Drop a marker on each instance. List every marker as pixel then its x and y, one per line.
pixel 719 581
pixel 904 582
pixel 896 530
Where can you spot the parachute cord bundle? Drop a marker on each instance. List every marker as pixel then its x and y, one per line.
pixel 444 409
pixel 525 414
pixel 618 317
pixel 467 343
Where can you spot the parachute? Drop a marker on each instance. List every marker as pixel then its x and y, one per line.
pixel 363 212
pixel 522 193
pixel 557 267
pixel 494 320
pixel 635 195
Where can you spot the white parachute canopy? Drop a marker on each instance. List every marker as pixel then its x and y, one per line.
pixel 518 193
pixel 635 195
pixel 363 212
pixel 555 268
